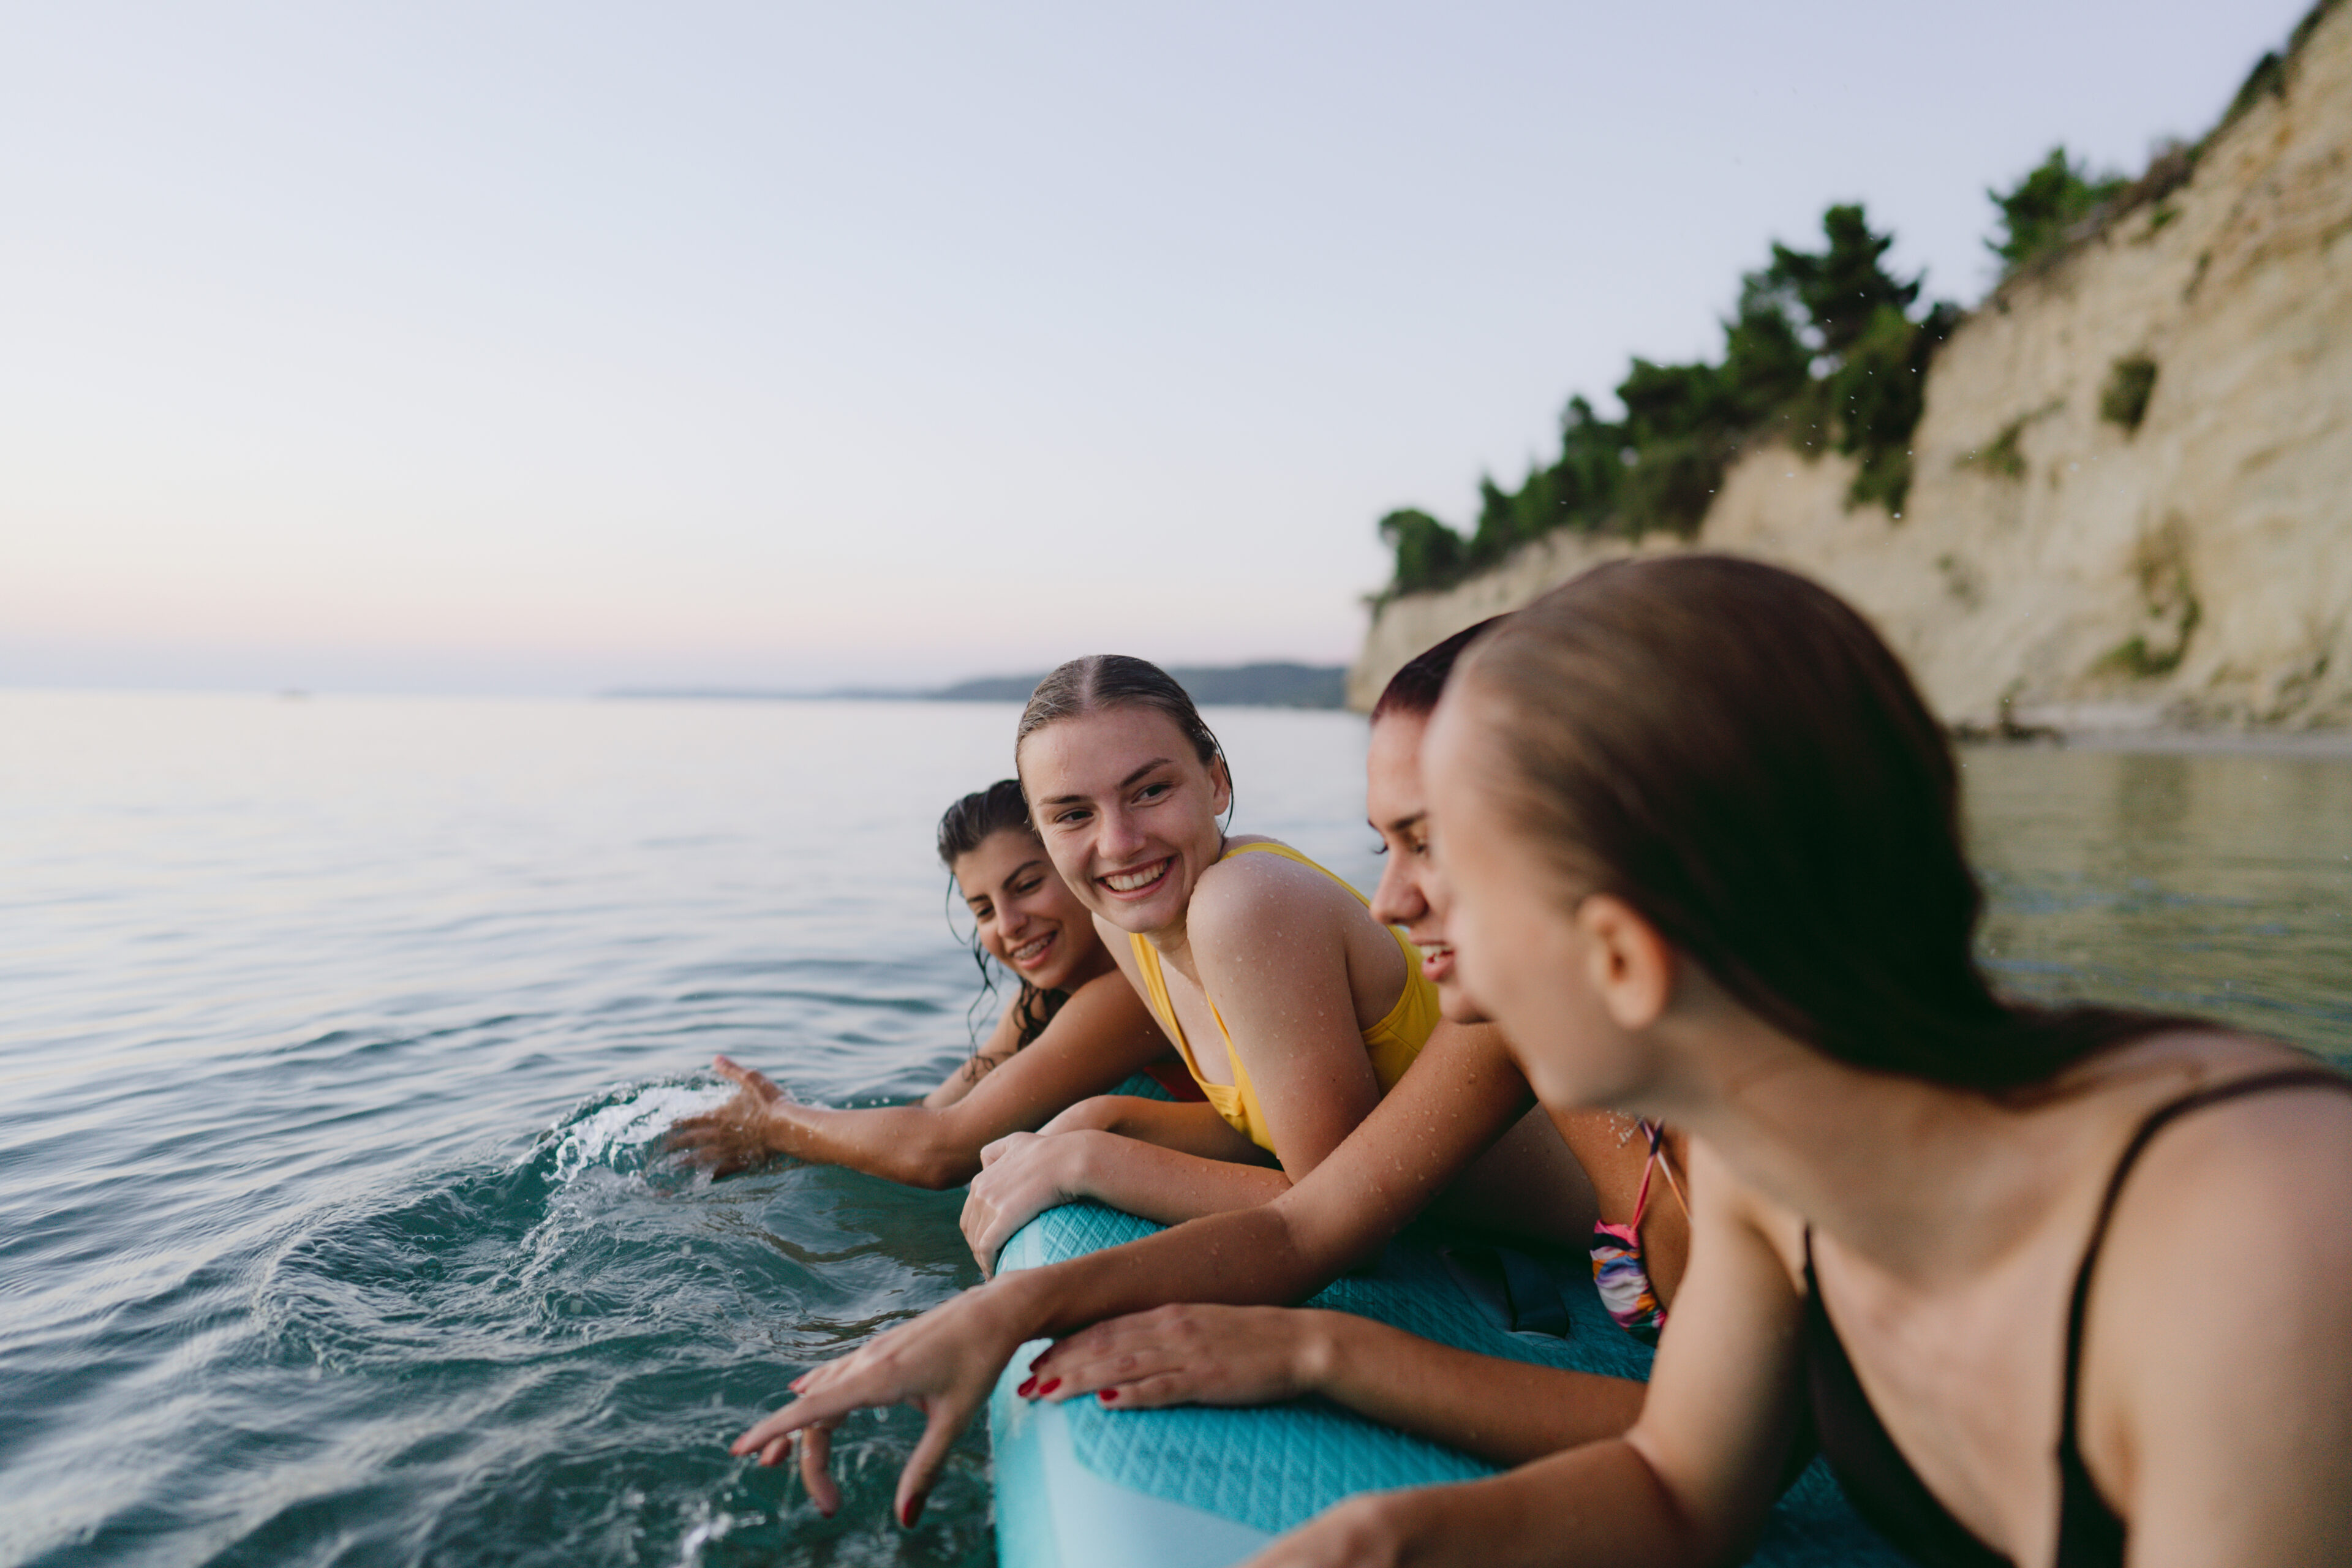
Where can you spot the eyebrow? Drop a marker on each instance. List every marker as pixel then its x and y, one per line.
pixel 1400 824
pixel 1154 763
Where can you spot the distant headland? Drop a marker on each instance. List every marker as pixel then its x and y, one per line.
pixel 1270 684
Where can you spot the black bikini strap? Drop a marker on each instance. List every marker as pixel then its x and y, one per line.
pixel 2154 1122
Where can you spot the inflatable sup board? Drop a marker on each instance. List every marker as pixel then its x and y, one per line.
pixel 1082 1485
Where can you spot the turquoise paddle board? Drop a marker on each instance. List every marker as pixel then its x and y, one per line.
pixel 1082 1485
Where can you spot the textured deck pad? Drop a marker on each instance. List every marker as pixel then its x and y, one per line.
pixel 1274 1466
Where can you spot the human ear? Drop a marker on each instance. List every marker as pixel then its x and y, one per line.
pixel 1630 965
pixel 1221 786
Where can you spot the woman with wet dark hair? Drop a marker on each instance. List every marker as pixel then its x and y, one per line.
pixel 1074 1028
pixel 2051 1286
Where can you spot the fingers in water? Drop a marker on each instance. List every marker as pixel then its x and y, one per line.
pixel 816 1472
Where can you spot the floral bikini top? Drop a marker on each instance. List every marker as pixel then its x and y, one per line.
pixel 1618 1270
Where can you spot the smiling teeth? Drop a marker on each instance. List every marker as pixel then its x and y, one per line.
pixel 1029 949
pixel 1128 882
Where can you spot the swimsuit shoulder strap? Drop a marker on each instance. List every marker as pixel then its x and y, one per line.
pixel 2088 1530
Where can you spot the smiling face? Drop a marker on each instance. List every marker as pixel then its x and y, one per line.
pixel 1413 893
pixel 1128 811
pixel 1524 955
pixel 1029 920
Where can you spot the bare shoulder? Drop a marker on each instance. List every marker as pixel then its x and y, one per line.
pixel 2233 1213
pixel 2272 1156
pixel 2222 1302
pixel 1111 994
pixel 1246 899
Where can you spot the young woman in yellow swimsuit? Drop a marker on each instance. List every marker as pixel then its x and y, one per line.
pixel 1075 1029
pixel 1432 1143
pixel 1293 1008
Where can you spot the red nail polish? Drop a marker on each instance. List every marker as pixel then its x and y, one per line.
pixel 1049 1388
pixel 914 1512
pixel 1107 1395
pixel 1026 1389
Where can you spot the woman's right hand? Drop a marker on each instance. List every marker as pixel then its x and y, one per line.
pixel 735 1136
pixel 1192 1353
pixel 1022 1176
pixel 943 1363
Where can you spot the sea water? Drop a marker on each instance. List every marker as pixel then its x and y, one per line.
pixel 337 1038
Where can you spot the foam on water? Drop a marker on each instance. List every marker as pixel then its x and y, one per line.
pixel 625 1130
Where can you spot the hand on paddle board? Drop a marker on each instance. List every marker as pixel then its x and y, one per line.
pixel 1022 1176
pixel 735 1136
pixel 1190 1353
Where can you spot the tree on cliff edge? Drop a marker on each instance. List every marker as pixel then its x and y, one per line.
pixel 1822 346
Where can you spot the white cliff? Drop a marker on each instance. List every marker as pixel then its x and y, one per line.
pixel 2051 566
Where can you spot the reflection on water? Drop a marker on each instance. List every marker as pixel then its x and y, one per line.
pixel 337 1034
pixel 2220 885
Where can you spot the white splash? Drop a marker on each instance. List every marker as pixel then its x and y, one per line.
pixel 624 1126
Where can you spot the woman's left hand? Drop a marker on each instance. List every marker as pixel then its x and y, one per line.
pixel 1190 1353
pixel 1022 1176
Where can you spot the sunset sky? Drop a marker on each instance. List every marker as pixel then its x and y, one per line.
pixel 549 348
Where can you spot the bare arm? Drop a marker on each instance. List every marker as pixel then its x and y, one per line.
pixel 1027 1174
pixel 1271 942
pixel 1101 1033
pixel 994 1052
pixel 1191 1126
pixel 1687 1487
pixel 2216 1440
pixel 1460 1094
pixel 1271 945
pixel 1504 1411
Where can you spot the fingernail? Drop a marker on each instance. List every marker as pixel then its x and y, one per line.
pixel 1107 1395
pixel 1049 1388
pixel 1026 1389
pixel 913 1510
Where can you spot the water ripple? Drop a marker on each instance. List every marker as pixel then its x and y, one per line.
pixel 342 1035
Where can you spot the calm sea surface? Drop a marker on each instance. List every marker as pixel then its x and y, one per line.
pixel 334 1036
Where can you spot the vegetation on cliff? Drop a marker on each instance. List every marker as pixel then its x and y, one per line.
pixel 1825 349
pixel 2037 216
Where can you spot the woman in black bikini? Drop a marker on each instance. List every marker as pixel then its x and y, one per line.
pixel 1704 843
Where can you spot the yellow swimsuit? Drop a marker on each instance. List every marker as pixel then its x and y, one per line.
pixel 1391 1043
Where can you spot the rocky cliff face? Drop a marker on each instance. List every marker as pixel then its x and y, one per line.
pixel 2084 547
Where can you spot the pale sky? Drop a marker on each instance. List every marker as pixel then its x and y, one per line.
pixel 545 348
